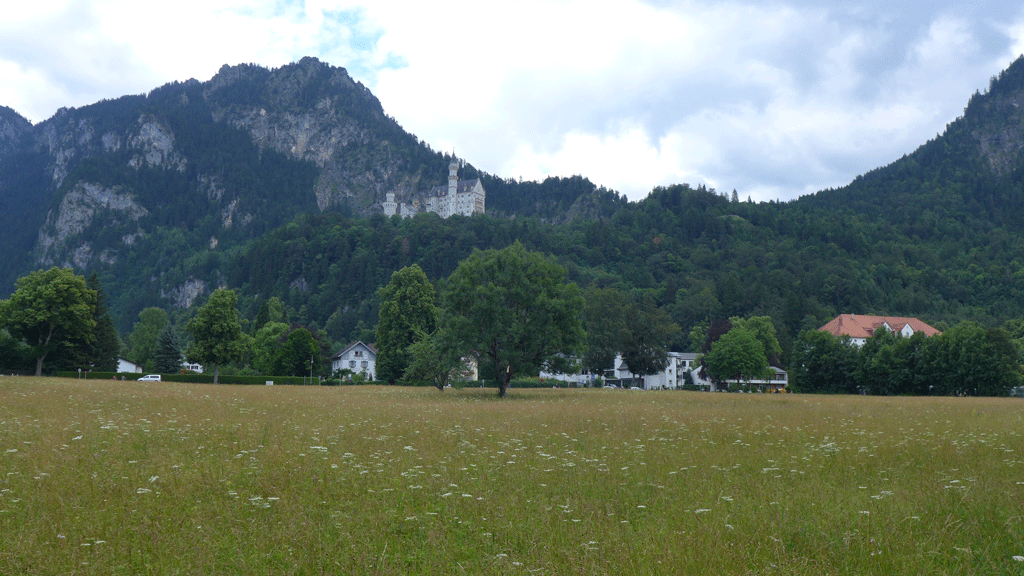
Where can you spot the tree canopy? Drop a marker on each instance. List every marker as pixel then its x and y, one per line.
pixel 50 309
pixel 217 336
pixel 737 355
pixel 513 308
pixel 167 356
pixel 407 313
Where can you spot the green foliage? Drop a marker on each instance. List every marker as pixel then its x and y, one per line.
pixel 823 363
pixel 106 347
pixel 513 309
pixel 407 313
pixel 605 322
pixel 644 344
pixel 15 354
pixel 168 354
pixel 99 349
pixel 145 335
pixel 217 336
pixel 50 310
pixel 266 347
pixel 271 310
pixel 435 359
pixel 966 360
pixel 764 330
pixel 737 355
pixel 300 354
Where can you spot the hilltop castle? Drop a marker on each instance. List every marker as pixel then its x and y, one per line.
pixel 463 197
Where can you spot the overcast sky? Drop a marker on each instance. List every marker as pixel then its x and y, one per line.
pixel 774 100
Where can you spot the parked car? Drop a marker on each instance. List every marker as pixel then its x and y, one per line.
pixel 150 378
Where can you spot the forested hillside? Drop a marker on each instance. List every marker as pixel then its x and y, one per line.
pixel 936 234
pixel 153 190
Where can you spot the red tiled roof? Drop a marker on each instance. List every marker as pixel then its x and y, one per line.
pixel 863 326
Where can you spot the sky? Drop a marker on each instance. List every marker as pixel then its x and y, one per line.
pixel 772 99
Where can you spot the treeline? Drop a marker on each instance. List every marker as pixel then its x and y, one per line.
pixel 966 360
pixel 693 252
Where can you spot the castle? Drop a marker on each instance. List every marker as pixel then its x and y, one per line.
pixel 463 197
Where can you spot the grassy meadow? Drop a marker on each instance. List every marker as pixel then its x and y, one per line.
pixel 104 477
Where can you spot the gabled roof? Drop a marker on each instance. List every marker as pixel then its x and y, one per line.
pixel 863 326
pixel 353 345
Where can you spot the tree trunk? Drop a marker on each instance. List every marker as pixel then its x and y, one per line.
pixel 216 371
pixel 39 365
pixel 503 383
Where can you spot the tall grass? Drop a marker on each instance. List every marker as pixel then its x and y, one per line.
pixel 162 478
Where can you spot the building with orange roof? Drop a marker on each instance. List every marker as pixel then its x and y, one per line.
pixel 860 327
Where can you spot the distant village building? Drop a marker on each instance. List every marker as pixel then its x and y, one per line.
pixel 357 358
pixel 463 197
pixel 127 366
pixel 860 327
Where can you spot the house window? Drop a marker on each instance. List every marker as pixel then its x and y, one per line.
pixel 364 363
pixel 351 363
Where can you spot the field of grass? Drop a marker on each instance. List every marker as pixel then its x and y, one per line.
pixel 164 478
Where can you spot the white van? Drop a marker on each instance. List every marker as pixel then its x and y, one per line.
pixel 150 378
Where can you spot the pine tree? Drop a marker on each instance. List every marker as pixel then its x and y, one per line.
pixel 106 344
pixel 168 352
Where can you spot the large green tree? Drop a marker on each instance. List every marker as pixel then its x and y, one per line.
pixel 217 336
pixel 645 341
pixel 50 309
pixel 605 321
pixel 823 363
pixel 100 348
pixel 301 354
pixel 763 329
pixel 407 311
pixel 145 333
pixel 737 355
pixel 106 347
pixel 266 347
pixel 968 360
pixel 167 357
pixel 435 360
pixel 513 308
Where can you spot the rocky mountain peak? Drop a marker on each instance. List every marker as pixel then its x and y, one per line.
pixel 13 127
pixel 996 120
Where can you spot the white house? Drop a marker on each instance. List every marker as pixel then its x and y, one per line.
pixel 671 378
pixel 359 358
pixel 127 366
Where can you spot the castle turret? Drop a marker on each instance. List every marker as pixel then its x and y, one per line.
pixel 453 178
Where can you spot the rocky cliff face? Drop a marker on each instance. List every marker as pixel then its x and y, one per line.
pixel 317 113
pixel 234 156
pixel 13 128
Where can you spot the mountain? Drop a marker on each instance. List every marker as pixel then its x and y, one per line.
pixel 270 181
pixel 153 190
pixel 936 235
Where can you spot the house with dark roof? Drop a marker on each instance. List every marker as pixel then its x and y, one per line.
pixel 357 357
pixel 860 327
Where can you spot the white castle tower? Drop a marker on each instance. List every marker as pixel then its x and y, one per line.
pixel 463 197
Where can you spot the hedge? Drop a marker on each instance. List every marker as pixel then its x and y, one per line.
pixel 193 378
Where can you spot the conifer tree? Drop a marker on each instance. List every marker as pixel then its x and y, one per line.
pixel 106 344
pixel 168 351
